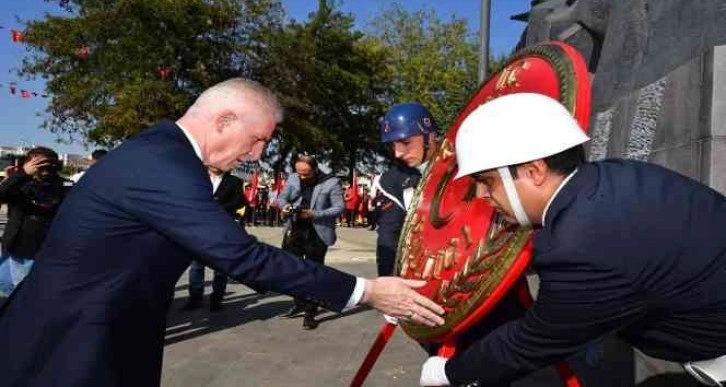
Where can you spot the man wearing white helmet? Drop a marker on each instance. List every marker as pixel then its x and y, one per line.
pixel 623 246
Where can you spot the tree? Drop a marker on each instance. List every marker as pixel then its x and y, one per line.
pixel 328 77
pixel 114 67
pixel 430 61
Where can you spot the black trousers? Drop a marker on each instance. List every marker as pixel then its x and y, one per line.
pixel 303 241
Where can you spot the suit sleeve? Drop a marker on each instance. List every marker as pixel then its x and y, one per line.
pixel 182 209
pixel 337 206
pixel 572 309
pixel 284 198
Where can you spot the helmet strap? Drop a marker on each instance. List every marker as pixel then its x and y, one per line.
pixel 513 196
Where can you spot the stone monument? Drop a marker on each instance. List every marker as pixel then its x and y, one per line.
pixel 659 77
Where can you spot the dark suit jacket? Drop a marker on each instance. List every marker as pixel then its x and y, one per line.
pixel 92 311
pixel 627 247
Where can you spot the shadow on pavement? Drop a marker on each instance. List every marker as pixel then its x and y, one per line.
pixel 334 316
pixel 184 325
pixel 670 380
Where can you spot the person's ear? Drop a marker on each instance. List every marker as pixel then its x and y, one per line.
pixel 536 171
pixel 224 119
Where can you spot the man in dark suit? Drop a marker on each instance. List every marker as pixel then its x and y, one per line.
pixel 92 312
pixel 227 191
pixel 624 247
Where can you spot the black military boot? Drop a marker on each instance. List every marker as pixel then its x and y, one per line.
pixel 309 322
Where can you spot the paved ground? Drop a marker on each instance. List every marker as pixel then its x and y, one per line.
pixel 247 345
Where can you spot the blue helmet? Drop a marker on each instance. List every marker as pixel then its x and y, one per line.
pixel 406 120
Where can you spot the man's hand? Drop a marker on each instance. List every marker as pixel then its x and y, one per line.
pixel 397 298
pixel 306 214
pixel 433 372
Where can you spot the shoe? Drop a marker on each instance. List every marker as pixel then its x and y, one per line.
pixel 295 311
pixel 309 323
pixel 192 304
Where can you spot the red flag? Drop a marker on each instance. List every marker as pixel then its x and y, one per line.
pixel 25 93
pixel 354 187
pixel 17 36
pixel 280 183
pixel 12 88
pixel 164 72
pixel 83 52
pixel 252 191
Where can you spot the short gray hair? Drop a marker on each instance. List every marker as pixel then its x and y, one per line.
pixel 239 86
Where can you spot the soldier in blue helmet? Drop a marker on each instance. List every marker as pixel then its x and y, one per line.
pixel 409 130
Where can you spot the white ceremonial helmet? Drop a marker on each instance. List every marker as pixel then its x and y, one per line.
pixel 514 129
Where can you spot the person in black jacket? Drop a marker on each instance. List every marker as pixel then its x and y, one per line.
pixel 623 247
pixel 227 191
pixel 410 131
pixel 33 192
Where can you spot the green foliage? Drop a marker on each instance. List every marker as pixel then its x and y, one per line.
pixel 328 78
pixel 104 60
pixel 430 60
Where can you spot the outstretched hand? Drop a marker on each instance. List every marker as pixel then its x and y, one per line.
pixel 397 298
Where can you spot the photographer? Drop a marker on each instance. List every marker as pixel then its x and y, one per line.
pixel 310 202
pixel 33 194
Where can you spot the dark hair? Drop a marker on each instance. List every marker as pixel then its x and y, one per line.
pixel 307 159
pixel 41 151
pixel 55 164
pixel 98 153
pixel 562 163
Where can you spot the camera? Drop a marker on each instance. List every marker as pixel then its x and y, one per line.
pixel 294 214
pixel 53 167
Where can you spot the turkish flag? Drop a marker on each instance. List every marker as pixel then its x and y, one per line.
pixel 25 93
pixel 17 36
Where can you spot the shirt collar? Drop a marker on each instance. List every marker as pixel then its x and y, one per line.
pixel 557 191
pixel 216 181
pixel 422 167
pixel 192 141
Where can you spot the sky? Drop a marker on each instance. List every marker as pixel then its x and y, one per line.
pixel 20 119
